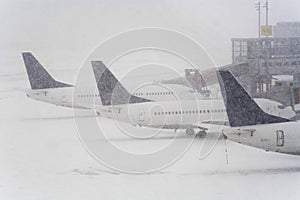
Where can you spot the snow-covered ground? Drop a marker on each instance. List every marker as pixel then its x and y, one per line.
pixel 41 157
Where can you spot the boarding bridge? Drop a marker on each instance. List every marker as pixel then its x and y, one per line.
pixel 192 79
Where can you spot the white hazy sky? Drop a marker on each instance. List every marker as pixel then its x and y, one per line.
pixel 61 33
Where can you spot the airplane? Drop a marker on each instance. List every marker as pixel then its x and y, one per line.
pixel 45 88
pixel 250 125
pixel 117 103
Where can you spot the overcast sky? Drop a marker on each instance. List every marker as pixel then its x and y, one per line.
pixel 62 33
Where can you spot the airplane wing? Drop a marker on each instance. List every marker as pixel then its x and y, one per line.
pixel 218 123
pixel 85 106
pixel 201 126
pixel 205 125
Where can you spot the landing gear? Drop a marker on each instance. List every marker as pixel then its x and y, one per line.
pixel 190 131
pixel 201 134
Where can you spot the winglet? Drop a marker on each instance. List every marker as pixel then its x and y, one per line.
pixel 241 109
pixel 38 77
pixel 111 91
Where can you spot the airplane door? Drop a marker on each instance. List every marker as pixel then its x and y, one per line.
pixel 142 116
pixel 280 138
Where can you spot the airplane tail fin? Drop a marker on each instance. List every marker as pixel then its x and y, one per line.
pixel 241 109
pixel 111 91
pixel 38 77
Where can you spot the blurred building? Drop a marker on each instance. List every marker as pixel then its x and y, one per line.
pixel 286 29
pixel 255 61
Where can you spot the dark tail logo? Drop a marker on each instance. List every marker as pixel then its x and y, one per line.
pixel 39 78
pixel 111 91
pixel 241 109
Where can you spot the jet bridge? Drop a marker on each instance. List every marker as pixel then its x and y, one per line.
pixel 195 79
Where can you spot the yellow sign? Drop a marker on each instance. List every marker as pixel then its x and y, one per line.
pixel 266 30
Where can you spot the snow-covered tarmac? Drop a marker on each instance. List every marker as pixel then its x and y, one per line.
pixel 42 157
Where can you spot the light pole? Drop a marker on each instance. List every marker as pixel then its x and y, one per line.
pixel 266 5
pixel 257 6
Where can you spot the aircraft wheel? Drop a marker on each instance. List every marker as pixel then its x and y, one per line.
pixel 201 134
pixel 190 131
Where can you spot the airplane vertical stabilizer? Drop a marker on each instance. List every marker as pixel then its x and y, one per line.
pixel 111 91
pixel 39 78
pixel 241 109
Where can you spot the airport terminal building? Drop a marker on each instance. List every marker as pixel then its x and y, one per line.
pixel 269 67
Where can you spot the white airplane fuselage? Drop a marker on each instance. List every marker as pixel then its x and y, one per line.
pixel 64 96
pixel 57 96
pixel 277 137
pixel 179 114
